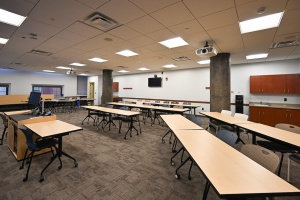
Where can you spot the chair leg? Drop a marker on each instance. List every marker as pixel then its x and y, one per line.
pixel 176 172
pixel 189 175
pixel 28 168
pixel 288 170
pixel 280 164
pixel 206 189
pixel 24 158
pixel 2 138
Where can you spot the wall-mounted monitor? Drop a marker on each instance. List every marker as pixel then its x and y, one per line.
pixel 155 82
pixel 34 98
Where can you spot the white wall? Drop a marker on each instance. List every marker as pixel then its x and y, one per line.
pixel 21 81
pixel 190 84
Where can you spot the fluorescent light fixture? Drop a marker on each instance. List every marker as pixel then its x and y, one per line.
pixel 123 71
pixel 143 69
pixel 261 23
pixel 256 56
pixel 62 67
pixel 3 41
pixel 97 60
pixel 46 70
pixel 11 18
pixel 169 66
pixel 83 74
pixel 127 53
pixel 78 64
pixel 174 42
pixel 202 62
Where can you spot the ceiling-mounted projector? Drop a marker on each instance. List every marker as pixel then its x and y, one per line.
pixel 71 72
pixel 207 51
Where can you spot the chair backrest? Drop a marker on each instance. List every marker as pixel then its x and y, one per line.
pixel 226 112
pixel 288 127
pixel 166 102
pixel 29 141
pixel 156 101
pixel 174 102
pixel 241 116
pixel 186 103
pixel 166 105
pixel 124 108
pixel 197 121
pixel 262 156
pixel 3 119
pixel 190 116
pixel 228 137
pixel 110 106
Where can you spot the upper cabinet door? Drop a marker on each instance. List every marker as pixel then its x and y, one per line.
pixel 293 83
pixel 255 84
pixel 266 84
pixel 279 84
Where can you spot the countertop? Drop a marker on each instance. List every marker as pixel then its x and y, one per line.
pixel 275 105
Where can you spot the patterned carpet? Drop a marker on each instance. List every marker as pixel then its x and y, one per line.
pixel 109 167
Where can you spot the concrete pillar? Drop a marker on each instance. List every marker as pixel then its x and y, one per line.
pixel 107 93
pixel 220 82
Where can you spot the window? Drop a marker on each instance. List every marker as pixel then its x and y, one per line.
pixel 4 89
pixel 48 89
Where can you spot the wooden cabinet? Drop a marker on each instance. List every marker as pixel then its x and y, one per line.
pixel 16 140
pixel 263 115
pixel 275 84
pixel 115 86
pixel 288 116
pixel 261 84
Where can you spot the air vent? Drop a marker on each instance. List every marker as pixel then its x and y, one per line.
pixel 39 52
pixel 100 21
pixel 285 44
pixel 181 58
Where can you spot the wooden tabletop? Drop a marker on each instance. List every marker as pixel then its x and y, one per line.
pixel 274 133
pixel 179 122
pixel 230 172
pixel 19 112
pixel 226 118
pixel 149 107
pixel 112 110
pixel 183 105
pixel 52 128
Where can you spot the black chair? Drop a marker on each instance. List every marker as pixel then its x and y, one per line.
pixel 34 146
pixel 120 118
pixel 5 127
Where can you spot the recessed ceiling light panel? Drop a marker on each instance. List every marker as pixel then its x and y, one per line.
pixel 257 56
pixel 97 60
pixel 11 18
pixel 203 62
pixel 62 67
pixel 78 64
pixel 261 23
pixel 123 71
pixel 174 42
pixel 143 69
pixel 127 53
pixel 169 66
pixel 3 41
pixel 46 70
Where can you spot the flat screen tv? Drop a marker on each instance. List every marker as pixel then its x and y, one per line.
pixel 34 98
pixel 154 82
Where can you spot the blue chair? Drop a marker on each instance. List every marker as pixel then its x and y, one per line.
pixel 34 146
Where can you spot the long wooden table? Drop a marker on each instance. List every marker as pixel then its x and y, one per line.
pixel 274 134
pixel 232 174
pixel 111 111
pixel 154 108
pixel 172 105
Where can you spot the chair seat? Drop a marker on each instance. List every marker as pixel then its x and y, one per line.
pixel 273 146
pixel 295 158
pixel 45 143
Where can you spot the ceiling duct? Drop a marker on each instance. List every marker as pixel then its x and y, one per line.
pixel 100 21
pixel 285 44
pixel 39 52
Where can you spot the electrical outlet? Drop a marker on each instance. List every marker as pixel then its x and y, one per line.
pixel 284 99
pixel 202 108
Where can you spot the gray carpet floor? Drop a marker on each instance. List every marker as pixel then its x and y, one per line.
pixel 109 167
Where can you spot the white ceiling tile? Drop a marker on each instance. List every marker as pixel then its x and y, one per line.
pixel 17 6
pixel 142 40
pixel 6 30
pixel 201 8
pixel 93 3
pixel 38 28
pixel 291 17
pixel 151 25
pixel 121 11
pixel 124 32
pixel 170 16
pixel 67 35
pixel 83 29
pixel 280 53
pixel 288 29
pixel 229 30
pixel 161 35
pixel 219 19
pixel 153 5
pixel 187 28
pixel 293 4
